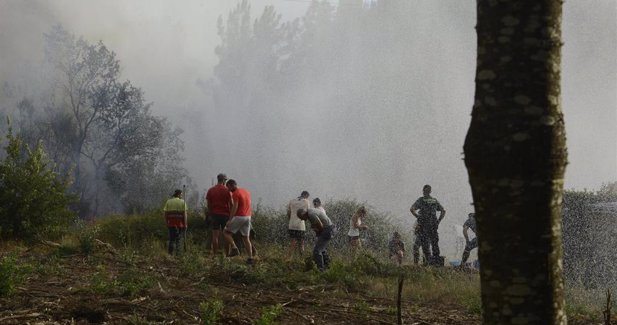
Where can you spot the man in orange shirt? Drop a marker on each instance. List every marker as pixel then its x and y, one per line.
pixel 218 199
pixel 239 220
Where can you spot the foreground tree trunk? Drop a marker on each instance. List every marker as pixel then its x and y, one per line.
pixel 515 156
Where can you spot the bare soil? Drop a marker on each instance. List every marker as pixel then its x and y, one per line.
pixel 59 290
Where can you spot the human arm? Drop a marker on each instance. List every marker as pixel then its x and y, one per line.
pixel 289 211
pixel 465 227
pixel 442 214
pixel 317 226
pixel 413 209
pixel 234 208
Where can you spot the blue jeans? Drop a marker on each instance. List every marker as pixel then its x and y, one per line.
pixel 320 251
pixel 176 240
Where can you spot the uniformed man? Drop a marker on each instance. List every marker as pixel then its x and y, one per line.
pixel 425 210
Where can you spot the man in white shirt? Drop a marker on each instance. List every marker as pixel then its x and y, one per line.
pixel 296 227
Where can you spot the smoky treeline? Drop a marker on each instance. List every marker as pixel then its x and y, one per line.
pixel 345 100
pixel 96 128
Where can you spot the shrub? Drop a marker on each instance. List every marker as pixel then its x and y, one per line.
pixel 271 225
pixel 33 199
pixel 137 231
pixel 11 275
pixel 270 314
pixel 210 311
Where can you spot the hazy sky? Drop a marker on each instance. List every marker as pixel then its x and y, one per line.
pixel 167 47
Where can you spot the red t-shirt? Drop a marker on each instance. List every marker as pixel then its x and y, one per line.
pixel 243 197
pixel 218 199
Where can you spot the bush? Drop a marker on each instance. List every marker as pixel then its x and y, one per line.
pixel 270 314
pixel 271 225
pixel 136 231
pixel 210 311
pixel 33 199
pixel 11 275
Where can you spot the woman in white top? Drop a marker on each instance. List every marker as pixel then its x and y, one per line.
pixel 355 225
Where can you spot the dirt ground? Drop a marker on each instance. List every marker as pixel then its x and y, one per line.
pixel 59 291
pixel 76 289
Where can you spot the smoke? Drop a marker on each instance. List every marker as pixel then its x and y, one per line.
pixel 382 155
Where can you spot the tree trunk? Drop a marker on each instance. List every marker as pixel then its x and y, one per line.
pixel 515 156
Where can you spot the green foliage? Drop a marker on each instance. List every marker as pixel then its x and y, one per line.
pixel 140 231
pixel 11 274
pixel 33 199
pixel 129 283
pixel 86 236
pixel 132 282
pixel 270 314
pixel 271 225
pixel 211 310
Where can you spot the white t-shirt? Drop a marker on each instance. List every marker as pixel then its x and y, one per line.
pixel 296 223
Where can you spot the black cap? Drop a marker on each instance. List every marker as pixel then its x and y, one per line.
pixel 221 177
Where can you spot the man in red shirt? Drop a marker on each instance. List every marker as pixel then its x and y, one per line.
pixel 239 220
pixel 218 200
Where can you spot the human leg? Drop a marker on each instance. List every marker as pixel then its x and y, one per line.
pixel 172 247
pixel 425 244
pixel 468 247
pixel 416 249
pixel 320 253
pixel 434 241
pixel 217 222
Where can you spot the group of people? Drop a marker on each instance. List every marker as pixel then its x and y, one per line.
pixel 229 212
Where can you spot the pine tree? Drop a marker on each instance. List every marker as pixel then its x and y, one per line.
pixel 33 199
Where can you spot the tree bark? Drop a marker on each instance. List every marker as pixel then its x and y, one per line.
pixel 515 155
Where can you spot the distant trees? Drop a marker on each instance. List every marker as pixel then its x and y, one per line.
pixel 101 129
pixel 33 198
pixel 515 154
pixel 325 75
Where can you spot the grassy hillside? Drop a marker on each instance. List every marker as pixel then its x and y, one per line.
pixel 116 270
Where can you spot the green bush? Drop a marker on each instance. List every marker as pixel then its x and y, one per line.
pixel 271 226
pixel 11 274
pixel 33 199
pixel 210 311
pixel 137 231
pixel 270 314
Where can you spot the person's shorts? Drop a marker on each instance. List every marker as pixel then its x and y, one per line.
pixel 352 238
pixel 218 221
pixel 240 224
pixel 296 234
pixel 471 244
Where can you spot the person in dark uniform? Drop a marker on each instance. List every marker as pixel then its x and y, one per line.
pixel 425 210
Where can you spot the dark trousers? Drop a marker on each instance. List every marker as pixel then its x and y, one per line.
pixel 176 240
pixel 417 243
pixel 320 251
pixel 429 240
